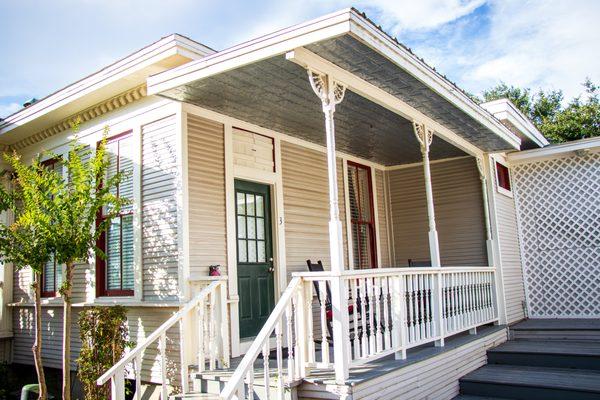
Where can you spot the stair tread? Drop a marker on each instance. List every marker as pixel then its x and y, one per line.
pixel 193 396
pixel 543 377
pixel 565 347
pixel 474 397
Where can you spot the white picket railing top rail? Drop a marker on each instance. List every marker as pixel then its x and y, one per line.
pixel 131 355
pixel 255 349
pixel 390 271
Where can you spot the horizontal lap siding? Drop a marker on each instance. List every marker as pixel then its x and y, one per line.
pixel 458 212
pixel 141 322
pixel 306 205
pixel 159 210
pixel 206 185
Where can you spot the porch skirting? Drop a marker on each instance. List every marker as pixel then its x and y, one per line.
pixel 427 373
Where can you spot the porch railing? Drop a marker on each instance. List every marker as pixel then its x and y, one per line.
pixel 208 309
pixel 390 310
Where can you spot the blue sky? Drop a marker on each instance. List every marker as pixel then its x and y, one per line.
pixel 548 44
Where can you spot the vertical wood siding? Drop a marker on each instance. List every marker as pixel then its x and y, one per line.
pixel 510 256
pixel 384 245
pixel 159 210
pixel 206 183
pixel 458 211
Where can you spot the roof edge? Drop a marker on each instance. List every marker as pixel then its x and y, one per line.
pixel 168 45
pixel 556 151
pixel 505 109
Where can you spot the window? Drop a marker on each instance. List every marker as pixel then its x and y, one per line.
pixel 52 272
pixel 503 178
pixel 361 216
pixel 114 273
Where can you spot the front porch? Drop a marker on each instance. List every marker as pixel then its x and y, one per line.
pixel 387 116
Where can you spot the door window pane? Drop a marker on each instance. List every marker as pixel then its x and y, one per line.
pixel 251 251
pixel 242 251
pixel 260 206
pixel 251 228
pixel 260 228
pixel 262 257
pixel 241 203
pixel 241 227
pixel 250 205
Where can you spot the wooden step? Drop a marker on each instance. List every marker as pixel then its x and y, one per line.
pixel 195 396
pixel 547 353
pixel 557 329
pixel 531 383
pixel 470 397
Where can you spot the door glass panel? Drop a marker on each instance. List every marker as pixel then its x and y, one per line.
pixel 260 207
pixel 241 203
pixel 260 228
pixel 261 252
pixel 251 251
pixel 250 204
pixel 251 228
pixel 242 253
pixel 241 226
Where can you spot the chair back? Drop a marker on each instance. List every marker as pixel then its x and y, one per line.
pixel 318 267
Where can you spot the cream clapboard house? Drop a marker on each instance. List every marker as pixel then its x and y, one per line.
pixel 326 141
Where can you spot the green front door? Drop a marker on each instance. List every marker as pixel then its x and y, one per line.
pixel 255 256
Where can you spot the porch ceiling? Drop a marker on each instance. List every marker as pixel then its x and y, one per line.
pixel 276 94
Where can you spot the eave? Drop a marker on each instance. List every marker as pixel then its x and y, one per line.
pixel 346 23
pixel 122 76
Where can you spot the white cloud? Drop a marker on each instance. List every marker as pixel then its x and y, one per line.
pixel 8 108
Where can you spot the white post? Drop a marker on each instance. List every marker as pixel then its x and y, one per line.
pixel 332 93
pixel 486 210
pixel 425 136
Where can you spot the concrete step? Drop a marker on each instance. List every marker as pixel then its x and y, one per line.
pixel 547 353
pixel 532 383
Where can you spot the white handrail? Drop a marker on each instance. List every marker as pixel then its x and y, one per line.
pixel 261 343
pixel 116 372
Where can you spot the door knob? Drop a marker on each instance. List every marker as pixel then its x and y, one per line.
pixel 271 269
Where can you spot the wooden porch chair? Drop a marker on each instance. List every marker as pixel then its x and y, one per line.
pixel 419 263
pixel 318 267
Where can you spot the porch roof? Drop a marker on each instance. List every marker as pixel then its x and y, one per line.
pixel 255 82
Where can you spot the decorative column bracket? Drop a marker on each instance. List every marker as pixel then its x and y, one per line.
pixel 424 135
pixel 332 93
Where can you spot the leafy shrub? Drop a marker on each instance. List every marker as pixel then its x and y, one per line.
pixel 104 337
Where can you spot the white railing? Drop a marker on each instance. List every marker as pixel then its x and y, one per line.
pixel 390 310
pixel 208 309
pixel 286 327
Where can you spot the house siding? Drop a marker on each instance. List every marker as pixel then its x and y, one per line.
pixel 141 321
pixel 159 210
pixel 458 203
pixel 384 245
pixel 306 205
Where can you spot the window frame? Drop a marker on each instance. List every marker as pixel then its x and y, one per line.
pixel 101 278
pixel 57 268
pixel 502 190
pixel 371 225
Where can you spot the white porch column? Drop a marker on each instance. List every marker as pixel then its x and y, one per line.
pixel 331 93
pixel 424 135
pixel 486 210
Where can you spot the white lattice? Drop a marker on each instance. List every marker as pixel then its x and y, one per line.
pixel 559 219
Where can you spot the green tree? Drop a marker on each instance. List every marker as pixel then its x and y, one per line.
pixel 88 190
pixel 27 242
pixel 580 118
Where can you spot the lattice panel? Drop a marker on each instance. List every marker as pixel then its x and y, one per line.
pixel 558 204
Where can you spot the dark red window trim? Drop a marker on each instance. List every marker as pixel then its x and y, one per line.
pixel 101 290
pixel 503 174
pixel 369 224
pixel 50 293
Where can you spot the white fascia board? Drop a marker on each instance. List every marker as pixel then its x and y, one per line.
pixel 166 47
pixel 279 42
pixel 343 22
pixel 555 151
pixel 504 109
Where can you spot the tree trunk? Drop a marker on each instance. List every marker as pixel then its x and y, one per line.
pixel 66 364
pixel 37 344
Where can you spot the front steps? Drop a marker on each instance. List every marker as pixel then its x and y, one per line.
pixel 538 365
